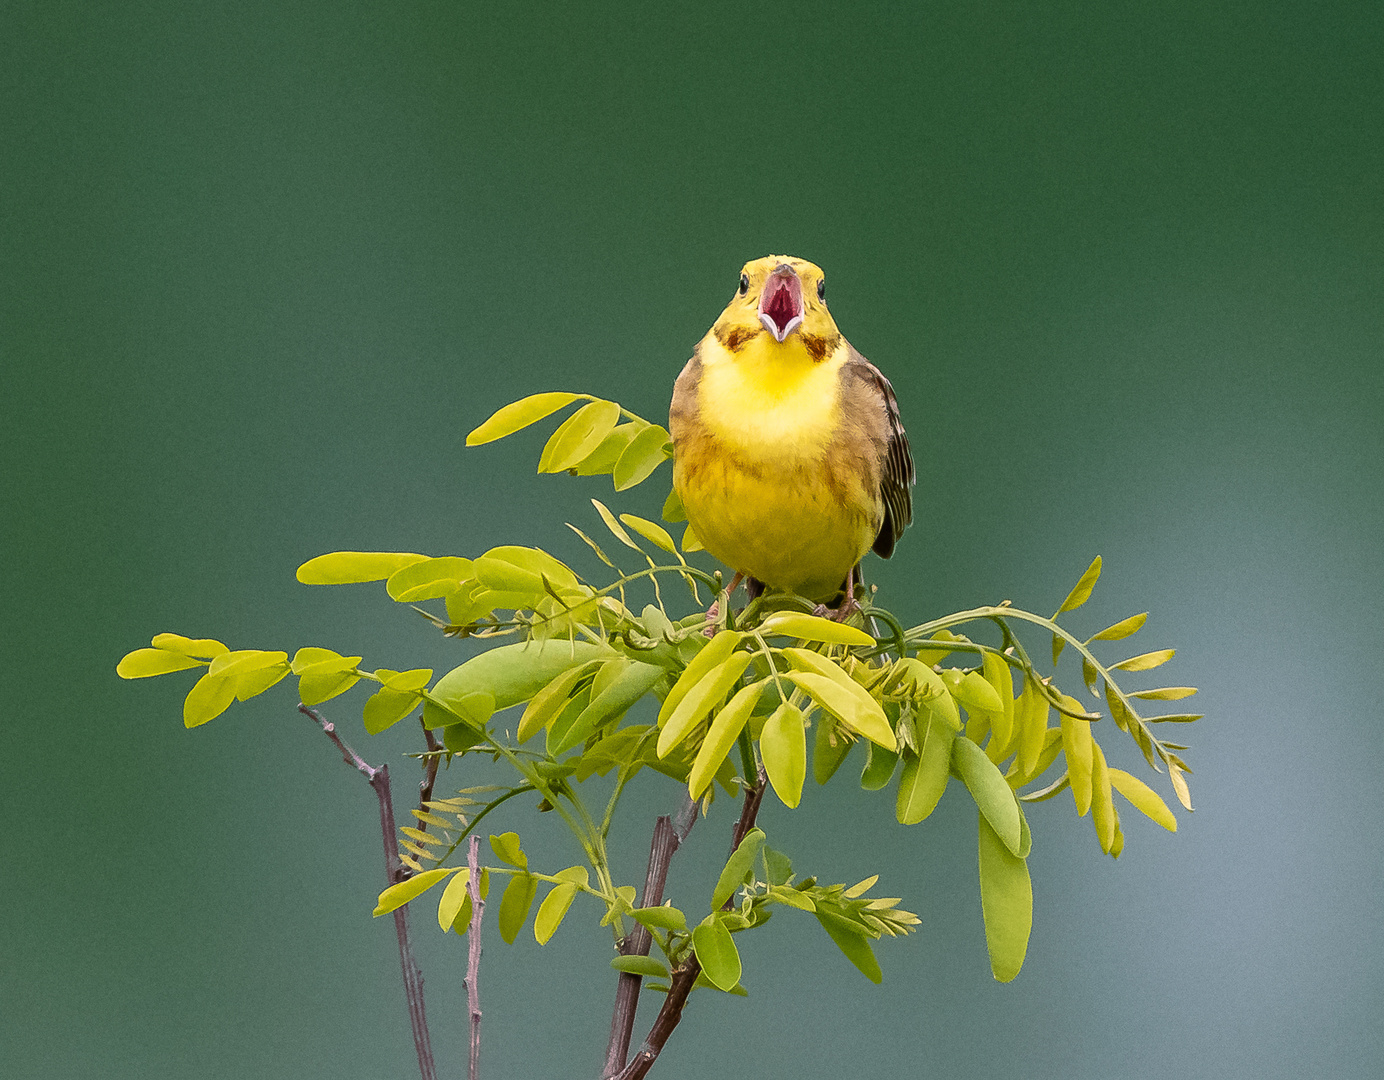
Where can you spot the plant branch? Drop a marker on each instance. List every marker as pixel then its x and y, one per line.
pixel 425 788
pixel 685 977
pixel 667 837
pixel 473 957
pixel 394 873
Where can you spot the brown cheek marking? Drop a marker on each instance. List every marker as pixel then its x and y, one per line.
pixel 819 348
pixel 734 338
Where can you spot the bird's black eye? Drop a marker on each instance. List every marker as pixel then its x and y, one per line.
pixel 744 284
pixel 822 290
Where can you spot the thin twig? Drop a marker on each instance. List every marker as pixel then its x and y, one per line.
pixel 425 787
pixel 685 977
pixel 394 873
pixel 473 956
pixel 667 837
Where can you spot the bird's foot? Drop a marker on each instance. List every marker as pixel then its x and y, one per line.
pixel 849 607
pixel 713 613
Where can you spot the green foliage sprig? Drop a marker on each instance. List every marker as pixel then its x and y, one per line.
pixel 736 693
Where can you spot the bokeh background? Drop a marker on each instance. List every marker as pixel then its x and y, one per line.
pixel 262 266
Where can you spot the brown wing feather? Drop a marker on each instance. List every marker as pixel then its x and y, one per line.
pixel 897 473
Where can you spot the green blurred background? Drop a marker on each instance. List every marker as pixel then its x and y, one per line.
pixel 262 268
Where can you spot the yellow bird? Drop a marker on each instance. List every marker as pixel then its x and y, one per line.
pixel 789 454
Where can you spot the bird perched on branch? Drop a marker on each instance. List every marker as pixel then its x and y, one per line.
pixel 790 458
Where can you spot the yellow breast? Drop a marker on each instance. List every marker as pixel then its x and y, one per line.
pixel 765 468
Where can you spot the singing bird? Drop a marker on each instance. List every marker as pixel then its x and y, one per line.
pixel 790 458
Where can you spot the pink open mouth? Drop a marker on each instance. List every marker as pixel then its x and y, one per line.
pixel 781 304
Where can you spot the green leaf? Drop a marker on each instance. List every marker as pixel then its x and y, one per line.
pixel 1035 710
pixel 645 453
pixel 428 579
pixel 795 624
pixel 783 747
pixel 143 663
pixel 1089 675
pixel 399 894
pixel 990 791
pixel 201 648
pixel 520 414
pixel 716 952
pixel 641 965
pixel 633 679
pixel 1179 785
pixel 552 911
pixel 1122 629
pixel 1102 802
pixel 315 689
pixel 454 898
pixel 579 436
pixel 1006 900
pixel 879 768
pixel 315 661
pixel 702 698
pixel 409 681
pixel 1058 644
pixel 829 749
pixel 549 702
pixel 1143 798
pixel 690 543
pixel 778 868
pixel 1165 693
pixel 507 849
pixel 1002 720
pixel 666 917
pixel 457 738
pixel 847 706
pixel 614 526
pixel 514 673
pixel 651 532
pixel 515 904
pixel 1174 718
pixel 351 567
pixel 673 511
pixel 1076 744
pixel 713 654
pixel 601 461
pixel 1145 661
pixel 1062 783
pixel 725 729
pixel 971 689
pixel 245 661
pixel 250 683
pixel 929 657
pixel 925 777
pixel 792 898
pixel 566 718
pixel 737 868
pixel 852 942
pixel 830 686
pixel 523 570
pixel 1082 592
pixel 385 708
pixel 209 698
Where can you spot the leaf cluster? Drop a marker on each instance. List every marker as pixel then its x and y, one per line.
pixel 731 692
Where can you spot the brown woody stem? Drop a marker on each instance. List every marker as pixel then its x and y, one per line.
pixel 378 778
pixel 685 977
pixel 666 839
pixel 473 956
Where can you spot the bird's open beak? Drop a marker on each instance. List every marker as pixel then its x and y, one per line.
pixel 781 303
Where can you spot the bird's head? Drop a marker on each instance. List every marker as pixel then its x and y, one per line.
pixel 779 300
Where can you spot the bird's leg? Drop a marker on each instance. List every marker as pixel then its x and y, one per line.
pixel 714 611
pixel 849 604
